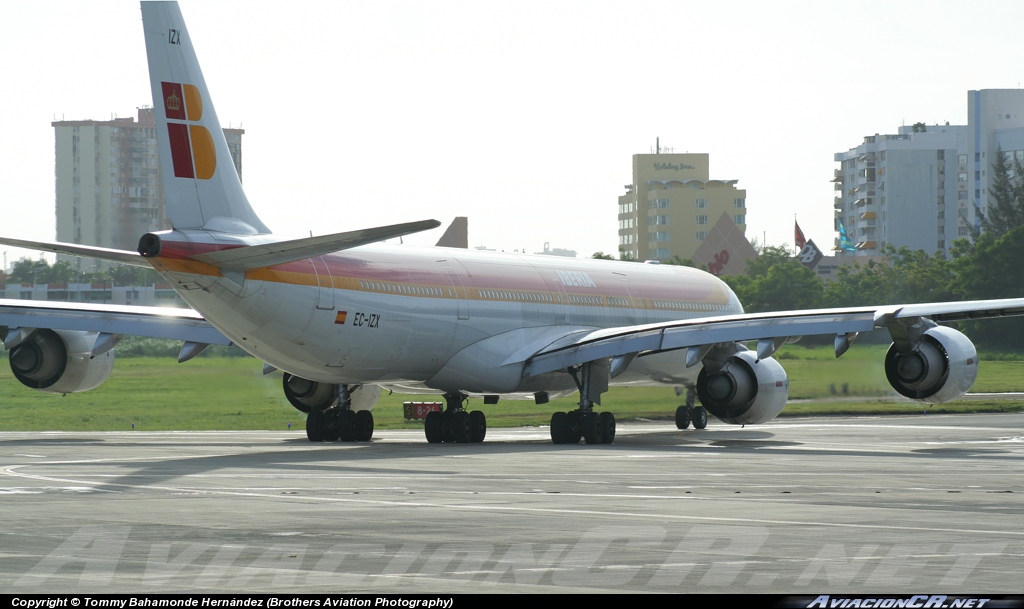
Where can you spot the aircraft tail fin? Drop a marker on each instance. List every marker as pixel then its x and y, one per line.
pixel 201 186
pixel 457 234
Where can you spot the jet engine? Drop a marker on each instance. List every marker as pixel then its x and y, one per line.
pixel 743 390
pixel 60 361
pixel 941 366
pixel 305 394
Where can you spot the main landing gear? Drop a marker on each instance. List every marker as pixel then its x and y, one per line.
pixel 688 413
pixel 455 424
pixel 339 422
pixel 593 427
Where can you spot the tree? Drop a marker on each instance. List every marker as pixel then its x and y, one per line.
pixel 776 282
pixel 919 128
pixel 1006 197
pixel 991 268
pixel 124 274
pixel 907 276
pixel 28 270
pixel 61 272
pixel 857 286
pixel 602 256
pixel 39 271
pixel 916 276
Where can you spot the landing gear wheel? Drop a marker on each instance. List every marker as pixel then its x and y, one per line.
pixel 573 429
pixel 332 430
pixel 700 417
pixel 433 427
pixel 558 421
pixel 458 427
pixel 607 425
pixel 477 426
pixel 591 427
pixel 315 425
pixel 446 426
pixel 683 417
pixel 362 425
pixel 344 423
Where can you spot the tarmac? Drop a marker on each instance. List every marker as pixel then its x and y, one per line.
pixel 895 504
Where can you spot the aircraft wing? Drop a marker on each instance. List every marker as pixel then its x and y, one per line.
pixel 155 322
pixel 771 330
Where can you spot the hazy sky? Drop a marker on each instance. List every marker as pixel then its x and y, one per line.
pixel 521 115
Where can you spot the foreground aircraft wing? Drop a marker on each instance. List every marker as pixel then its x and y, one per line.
pixel 154 322
pixel 771 330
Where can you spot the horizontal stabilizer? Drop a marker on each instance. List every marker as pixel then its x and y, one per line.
pixel 270 254
pixel 85 251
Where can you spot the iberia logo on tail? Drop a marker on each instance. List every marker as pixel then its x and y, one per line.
pixel 192 150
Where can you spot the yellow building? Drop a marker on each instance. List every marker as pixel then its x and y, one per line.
pixel 668 210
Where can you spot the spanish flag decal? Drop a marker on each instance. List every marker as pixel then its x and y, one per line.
pixel 340 317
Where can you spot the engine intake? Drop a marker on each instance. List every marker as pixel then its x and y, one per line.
pixel 305 394
pixel 941 366
pixel 744 390
pixel 60 361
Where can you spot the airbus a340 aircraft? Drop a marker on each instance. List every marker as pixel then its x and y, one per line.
pixel 344 315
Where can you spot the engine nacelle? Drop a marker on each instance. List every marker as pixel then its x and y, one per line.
pixel 305 394
pixel 744 391
pixel 940 367
pixel 60 361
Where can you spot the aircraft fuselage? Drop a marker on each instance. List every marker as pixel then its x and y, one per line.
pixel 415 318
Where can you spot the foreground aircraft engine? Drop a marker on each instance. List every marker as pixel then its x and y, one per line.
pixel 305 394
pixel 60 361
pixel 743 390
pixel 941 366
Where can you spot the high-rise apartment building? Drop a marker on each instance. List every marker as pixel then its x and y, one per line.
pixel 923 187
pixel 108 180
pixel 901 189
pixel 671 205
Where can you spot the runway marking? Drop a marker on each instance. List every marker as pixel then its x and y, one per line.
pixel 10 471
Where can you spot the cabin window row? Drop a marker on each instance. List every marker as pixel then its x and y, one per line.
pixel 514 295
pixel 679 305
pixel 397 288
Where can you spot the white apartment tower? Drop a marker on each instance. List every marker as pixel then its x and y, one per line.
pixel 108 180
pixel 922 189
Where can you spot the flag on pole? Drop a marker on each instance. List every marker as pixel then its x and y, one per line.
pixel 798 236
pixel 845 243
